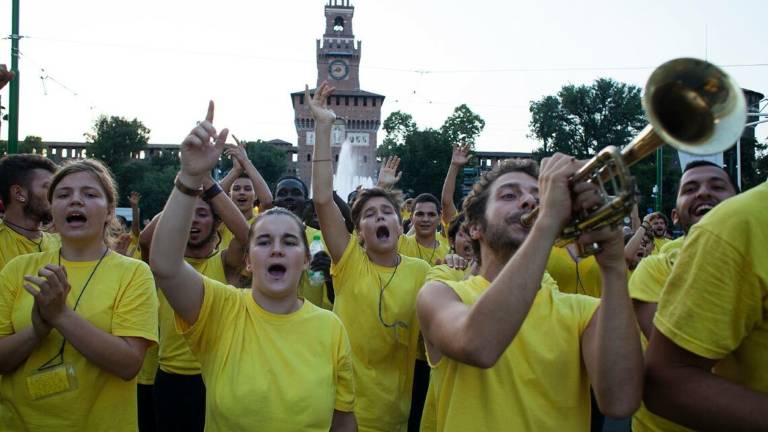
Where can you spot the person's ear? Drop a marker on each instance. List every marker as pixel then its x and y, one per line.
pixel 18 193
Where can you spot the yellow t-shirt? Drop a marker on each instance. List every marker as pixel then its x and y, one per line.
pixel 584 278
pixel 540 383
pixel 175 356
pixel 226 236
pixel 120 300
pixel 408 246
pixel 13 244
pixel 658 243
pixel 715 303
pixel 269 372
pixel 646 285
pixel 149 367
pixel 443 272
pixel 134 250
pixel 383 356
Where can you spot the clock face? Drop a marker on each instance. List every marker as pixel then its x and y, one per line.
pixel 338 69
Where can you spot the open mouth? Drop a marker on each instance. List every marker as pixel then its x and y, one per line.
pixel 382 233
pixel 242 201
pixel 702 209
pixel 76 218
pixel 194 231
pixel 276 270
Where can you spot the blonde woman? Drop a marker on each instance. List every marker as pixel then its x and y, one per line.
pixel 75 322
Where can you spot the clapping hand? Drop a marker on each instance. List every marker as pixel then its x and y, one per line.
pixel 201 149
pixel 318 104
pixel 50 289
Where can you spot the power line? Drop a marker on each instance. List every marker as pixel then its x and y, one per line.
pixel 421 72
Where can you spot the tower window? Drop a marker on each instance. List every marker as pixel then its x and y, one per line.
pixel 373 102
pixel 365 101
pixel 346 100
pixel 338 24
pixel 337 158
pixel 355 100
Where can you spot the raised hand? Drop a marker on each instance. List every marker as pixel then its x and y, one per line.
pixel 201 149
pixel 134 198
pixel 388 175
pixel 318 104
pixel 237 153
pixel 460 156
pixel 5 75
pixel 50 289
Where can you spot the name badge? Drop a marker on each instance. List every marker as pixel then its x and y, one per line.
pixel 51 381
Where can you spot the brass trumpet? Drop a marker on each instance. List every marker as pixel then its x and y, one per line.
pixel 691 105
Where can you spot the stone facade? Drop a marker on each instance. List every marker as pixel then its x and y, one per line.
pixel 358 111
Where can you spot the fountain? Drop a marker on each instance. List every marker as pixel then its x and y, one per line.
pixel 347 177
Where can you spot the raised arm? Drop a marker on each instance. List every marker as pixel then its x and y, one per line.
pixel 331 221
pixel 232 218
pixel 479 334
pixel 260 186
pixel 134 199
pixel 637 238
pixel 388 175
pixel 145 238
pixel 459 158
pixel 232 175
pixel 181 284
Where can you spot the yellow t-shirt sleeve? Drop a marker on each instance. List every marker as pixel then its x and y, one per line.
pixel 345 380
pixel 136 308
pixel 648 279
pixel 212 321
pixel 8 293
pixel 710 280
pixel 351 257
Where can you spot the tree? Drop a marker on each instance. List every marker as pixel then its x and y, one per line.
pixel 32 144
pixel 154 182
pixel 114 140
pixel 425 154
pixel 398 125
pixel 268 159
pixel 463 126
pixel 583 119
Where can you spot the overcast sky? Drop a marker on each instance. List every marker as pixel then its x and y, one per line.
pixel 160 61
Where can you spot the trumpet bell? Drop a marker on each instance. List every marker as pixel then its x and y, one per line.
pixel 694 106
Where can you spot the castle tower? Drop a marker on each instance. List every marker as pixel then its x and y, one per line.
pixel 358 111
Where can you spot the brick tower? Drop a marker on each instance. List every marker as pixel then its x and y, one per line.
pixel 358 112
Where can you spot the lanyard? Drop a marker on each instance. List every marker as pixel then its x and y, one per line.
pixel 58 359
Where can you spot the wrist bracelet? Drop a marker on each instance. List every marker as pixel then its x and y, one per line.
pixel 186 190
pixel 212 191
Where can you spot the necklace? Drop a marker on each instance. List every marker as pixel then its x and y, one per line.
pixel 15 228
pixel 58 359
pixel 397 323
pixel 434 249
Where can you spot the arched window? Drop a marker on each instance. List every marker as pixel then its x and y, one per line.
pixel 338 24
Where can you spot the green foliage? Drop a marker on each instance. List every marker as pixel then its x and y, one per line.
pixel 580 120
pixel 424 160
pixel 463 126
pixel 32 144
pixel 426 154
pixel 115 140
pixel 271 161
pixel 152 178
pixel 398 126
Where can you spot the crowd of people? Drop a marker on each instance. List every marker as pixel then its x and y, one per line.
pixel 426 316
